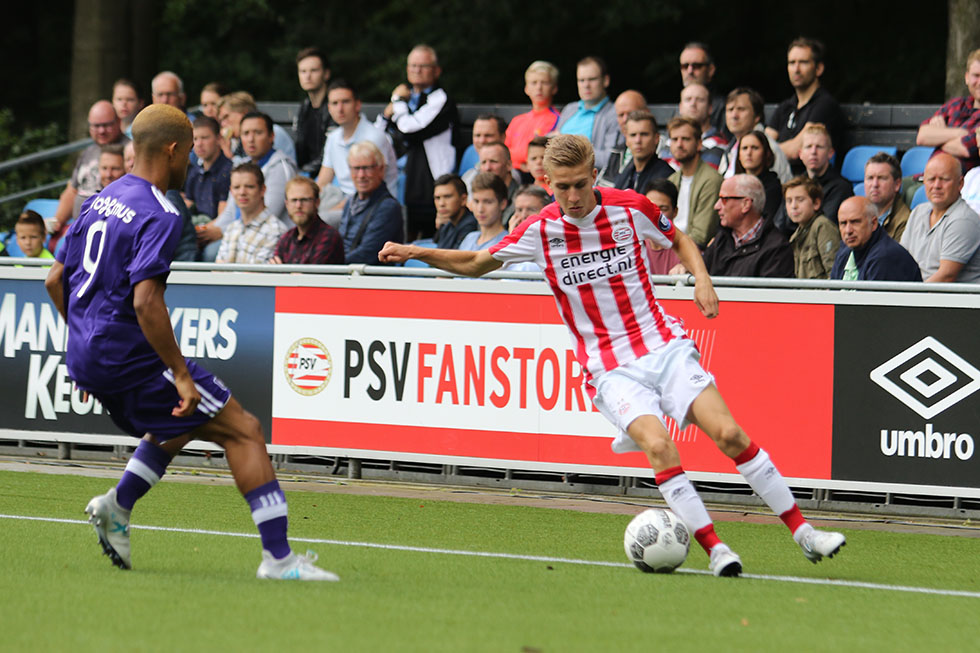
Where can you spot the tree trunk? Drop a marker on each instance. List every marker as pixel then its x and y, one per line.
pixel 964 37
pixel 111 39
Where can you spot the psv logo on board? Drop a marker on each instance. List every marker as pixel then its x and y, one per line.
pixel 308 366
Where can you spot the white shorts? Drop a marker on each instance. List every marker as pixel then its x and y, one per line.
pixel 664 382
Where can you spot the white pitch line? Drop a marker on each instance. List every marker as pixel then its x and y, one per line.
pixel 532 558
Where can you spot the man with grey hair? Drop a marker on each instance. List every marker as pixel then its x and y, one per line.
pixel 422 120
pixel 867 252
pixel 746 245
pixel 943 234
pixel 371 215
pixel 168 88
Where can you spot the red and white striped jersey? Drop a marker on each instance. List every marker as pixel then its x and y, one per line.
pixel 599 271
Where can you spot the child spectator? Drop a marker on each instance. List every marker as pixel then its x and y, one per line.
pixel 540 86
pixel 30 232
pixel 535 163
pixel 487 201
pixel 816 239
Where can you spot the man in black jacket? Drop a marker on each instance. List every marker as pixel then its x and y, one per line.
pixel 313 120
pixel 746 244
pixel 866 251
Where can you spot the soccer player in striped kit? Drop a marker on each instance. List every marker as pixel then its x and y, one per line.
pixel 639 364
pixel 108 283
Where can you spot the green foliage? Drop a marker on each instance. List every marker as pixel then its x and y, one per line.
pixel 18 141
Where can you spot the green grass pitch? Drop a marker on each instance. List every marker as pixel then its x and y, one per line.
pixel 197 591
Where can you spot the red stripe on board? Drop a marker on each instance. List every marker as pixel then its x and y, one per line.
pixel 431 305
pixel 500 445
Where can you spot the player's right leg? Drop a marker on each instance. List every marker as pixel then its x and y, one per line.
pixel 652 437
pixel 239 433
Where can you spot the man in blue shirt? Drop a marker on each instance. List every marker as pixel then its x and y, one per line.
pixel 371 216
pixel 208 179
pixel 108 284
pixel 593 116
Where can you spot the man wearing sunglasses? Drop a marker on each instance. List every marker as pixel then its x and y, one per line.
pixel 698 67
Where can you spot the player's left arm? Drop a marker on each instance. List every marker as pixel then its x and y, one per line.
pixel 56 288
pixel 704 291
pixel 151 313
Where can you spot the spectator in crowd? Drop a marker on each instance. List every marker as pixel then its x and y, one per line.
pixel 744 111
pixel 487 128
pixel 535 164
pixel 695 104
pixel 127 100
pixel 211 95
pixel 943 234
pixel 104 128
pixel 697 182
pixel 746 245
pixel 642 138
pixel 530 200
pixel 231 109
pixel 882 183
pixel 453 219
pixel 168 88
pixel 129 156
pixel 593 116
pixel 489 201
pixel 313 119
pixel 258 143
pixel 253 237
pixel 816 239
pixel 810 103
pixel 495 158
pixel 663 194
pixel 371 215
pixel 867 252
pixel 111 164
pixel 755 157
pixel 953 128
pixel 30 233
pixel 353 127
pixel 209 177
pixel 971 189
pixel 815 154
pixel 422 120
pixel 540 86
pixel 619 155
pixel 698 67
pixel 311 241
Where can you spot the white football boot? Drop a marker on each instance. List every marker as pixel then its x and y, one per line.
pixel 293 567
pixel 724 561
pixel 817 544
pixel 111 524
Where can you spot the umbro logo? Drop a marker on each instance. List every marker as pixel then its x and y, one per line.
pixel 928 377
pixel 555 243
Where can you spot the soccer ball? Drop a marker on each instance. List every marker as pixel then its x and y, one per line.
pixel 657 541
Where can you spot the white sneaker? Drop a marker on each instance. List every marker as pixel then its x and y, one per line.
pixel 293 567
pixel 724 561
pixel 111 524
pixel 817 544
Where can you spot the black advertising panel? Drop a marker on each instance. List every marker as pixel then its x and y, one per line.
pixel 907 395
pixel 227 329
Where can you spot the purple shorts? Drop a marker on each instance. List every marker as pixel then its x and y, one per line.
pixel 146 408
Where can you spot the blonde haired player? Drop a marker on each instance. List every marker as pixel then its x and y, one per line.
pixel 639 363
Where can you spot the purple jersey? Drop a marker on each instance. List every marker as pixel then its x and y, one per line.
pixel 125 234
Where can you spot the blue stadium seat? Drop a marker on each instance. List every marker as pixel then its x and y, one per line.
pixel 919 197
pixel 859 189
pixel 914 160
pixel 46 208
pixel 853 167
pixel 469 160
pixel 414 262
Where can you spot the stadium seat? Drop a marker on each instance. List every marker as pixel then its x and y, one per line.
pixel 857 156
pixel 45 208
pixel 914 160
pixel 414 262
pixel 859 189
pixel 469 160
pixel 919 197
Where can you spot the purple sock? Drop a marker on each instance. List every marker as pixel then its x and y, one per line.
pixel 143 471
pixel 269 512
